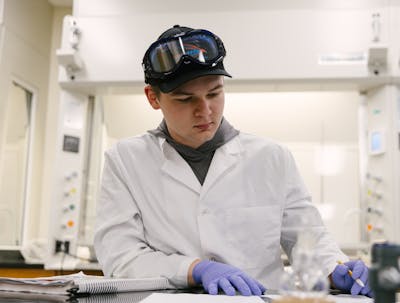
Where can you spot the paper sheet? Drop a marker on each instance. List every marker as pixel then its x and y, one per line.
pixel 199 298
pixel 342 298
pixel 350 299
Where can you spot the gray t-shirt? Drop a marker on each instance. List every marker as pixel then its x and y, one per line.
pixel 199 158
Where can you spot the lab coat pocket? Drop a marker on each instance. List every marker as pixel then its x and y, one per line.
pixel 254 234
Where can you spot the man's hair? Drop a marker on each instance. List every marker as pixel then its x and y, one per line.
pixel 156 90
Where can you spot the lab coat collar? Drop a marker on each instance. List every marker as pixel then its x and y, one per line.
pixel 224 158
pixel 177 168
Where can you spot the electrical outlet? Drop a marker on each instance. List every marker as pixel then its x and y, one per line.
pixel 62 246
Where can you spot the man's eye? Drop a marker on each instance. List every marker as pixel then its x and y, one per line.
pixel 214 94
pixel 184 100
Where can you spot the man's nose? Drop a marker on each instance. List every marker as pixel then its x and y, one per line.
pixel 203 107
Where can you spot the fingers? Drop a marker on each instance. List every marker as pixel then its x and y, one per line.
pixel 342 270
pixel 262 287
pixel 350 264
pixel 341 278
pixel 226 286
pixel 355 289
pixel 212 288
pixel 256 288
pixel 360 271
pixel 364 277
pixel 245 285
pixel 241 285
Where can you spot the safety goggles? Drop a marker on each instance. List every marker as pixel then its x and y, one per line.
pixel 165 56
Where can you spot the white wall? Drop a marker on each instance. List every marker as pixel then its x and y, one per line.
pixel 394 52
pixel 25 56
pixel 13 172
pixel 1 11
pixel 12 195
pixel 307 30
pixel 127 115
pixel 1 25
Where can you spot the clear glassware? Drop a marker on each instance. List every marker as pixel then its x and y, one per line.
pixel 305 278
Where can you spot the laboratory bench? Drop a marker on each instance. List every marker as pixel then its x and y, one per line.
pixel 12 264
pixel 137 297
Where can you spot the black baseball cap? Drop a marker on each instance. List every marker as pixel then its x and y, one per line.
pixel 185 72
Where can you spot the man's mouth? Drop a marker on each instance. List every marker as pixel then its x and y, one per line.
pixel 204 126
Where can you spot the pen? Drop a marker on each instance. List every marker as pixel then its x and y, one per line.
pixel 358 281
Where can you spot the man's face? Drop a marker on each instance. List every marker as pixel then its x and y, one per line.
pixel 193 111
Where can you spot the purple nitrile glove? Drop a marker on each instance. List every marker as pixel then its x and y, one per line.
pixel 343 281
pixel 214 275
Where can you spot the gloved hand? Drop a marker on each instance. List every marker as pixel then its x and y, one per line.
pixel 343 281
pixel 214 275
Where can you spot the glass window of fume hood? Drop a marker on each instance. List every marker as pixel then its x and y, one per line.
pixel 14 164
pixel 320 129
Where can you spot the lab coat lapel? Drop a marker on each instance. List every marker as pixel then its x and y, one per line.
pixel 177 168
pixel 224 158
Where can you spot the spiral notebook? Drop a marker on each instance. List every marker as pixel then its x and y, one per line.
pixel 80 283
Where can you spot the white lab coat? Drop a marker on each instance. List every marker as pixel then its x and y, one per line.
pixel 155 219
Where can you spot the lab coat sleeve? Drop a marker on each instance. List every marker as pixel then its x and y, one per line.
pixel 120 241
pixel 299 214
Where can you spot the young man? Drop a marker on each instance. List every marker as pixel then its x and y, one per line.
pixel 197 201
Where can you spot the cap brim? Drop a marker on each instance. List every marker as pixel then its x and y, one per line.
pixel 170 85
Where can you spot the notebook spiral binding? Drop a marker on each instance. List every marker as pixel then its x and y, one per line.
pixel 134 297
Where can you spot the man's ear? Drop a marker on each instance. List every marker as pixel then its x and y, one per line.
pixel 151 97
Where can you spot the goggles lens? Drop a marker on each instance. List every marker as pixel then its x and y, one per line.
pixel 201 46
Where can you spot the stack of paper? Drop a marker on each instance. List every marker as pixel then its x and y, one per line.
pixel 69 285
